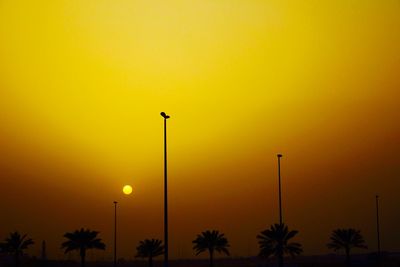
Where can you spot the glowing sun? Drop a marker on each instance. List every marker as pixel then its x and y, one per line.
pixel 127 189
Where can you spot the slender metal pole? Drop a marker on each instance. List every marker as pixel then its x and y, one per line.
pixel 44 255
pixel 165 116
pixel 377 229
pixel 280 188
pixel 115 233
pixel 165 196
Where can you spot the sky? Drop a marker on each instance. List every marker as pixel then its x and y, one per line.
pixel 82 84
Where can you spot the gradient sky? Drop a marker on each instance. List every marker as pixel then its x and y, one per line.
pixel 82 83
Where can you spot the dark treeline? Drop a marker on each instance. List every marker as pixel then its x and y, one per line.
pixel 275 243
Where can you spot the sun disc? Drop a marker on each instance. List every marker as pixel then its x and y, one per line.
pixel 127 189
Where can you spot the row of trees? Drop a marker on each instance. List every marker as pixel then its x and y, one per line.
pixel 275 241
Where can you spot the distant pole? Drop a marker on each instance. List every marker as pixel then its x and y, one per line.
pixel 115 233
pixel 280 189
pixel 165 116
pixel 377 229
pixel 44 254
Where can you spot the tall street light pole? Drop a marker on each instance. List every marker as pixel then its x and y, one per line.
pixel 165 116
pixel 115 233
pixel 280 190
pixel 377 229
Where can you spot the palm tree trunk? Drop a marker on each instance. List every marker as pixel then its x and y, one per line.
pixel 83 256
pixel 150 261
pixel 280 255
pixel 211 258
pixel 347 257
pixel 16 257
pixel 280 260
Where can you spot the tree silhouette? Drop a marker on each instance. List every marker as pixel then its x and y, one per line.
pixel 3 247
pixel 346 239
pixel 16 244
pixel 211 241
pixel 275 241
pixel 82 240
pixel 150 249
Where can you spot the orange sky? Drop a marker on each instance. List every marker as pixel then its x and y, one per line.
pixel 82 84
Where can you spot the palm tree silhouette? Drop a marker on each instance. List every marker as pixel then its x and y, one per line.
pixel 211 241
pixel 82 240
pixel 346 239
pixel 16 244
pixel 150 249
pixel 275 241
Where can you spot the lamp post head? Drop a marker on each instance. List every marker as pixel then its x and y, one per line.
pixel 165 116
pixel 279 155
pixel 115 202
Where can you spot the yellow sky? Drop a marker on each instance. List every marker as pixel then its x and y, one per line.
pixel 82 84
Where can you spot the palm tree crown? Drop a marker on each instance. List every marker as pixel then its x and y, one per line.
pixel 346 239
pixel 150 248
pixel 211 241
pixel 275 241
pixel 16 244
pixel 82 240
